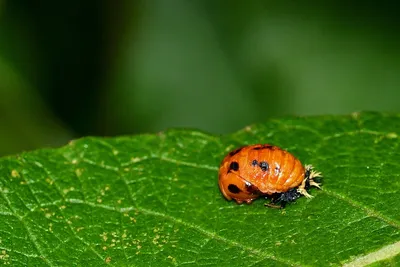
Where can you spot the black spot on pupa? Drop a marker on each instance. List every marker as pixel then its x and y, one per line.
pixel 251 188
pixel 234 152
pixel 234 189
pixel 234 166
pixel 263 147
pixel 264 166
pixel 268 147
pixel 254 162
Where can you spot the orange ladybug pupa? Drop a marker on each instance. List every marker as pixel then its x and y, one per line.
pixel 250 172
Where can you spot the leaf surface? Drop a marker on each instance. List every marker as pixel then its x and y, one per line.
pixel 153 200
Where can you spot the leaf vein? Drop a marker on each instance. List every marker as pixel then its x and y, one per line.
pixel 375 256
pixel 205 232
pixel 371 212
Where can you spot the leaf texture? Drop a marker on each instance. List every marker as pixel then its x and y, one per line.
pixel 153 200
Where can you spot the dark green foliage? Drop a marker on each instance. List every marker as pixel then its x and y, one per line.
pixel 153 200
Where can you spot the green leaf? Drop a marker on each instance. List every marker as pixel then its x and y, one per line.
pixel 153 200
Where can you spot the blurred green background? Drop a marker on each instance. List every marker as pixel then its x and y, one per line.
pixel 76 68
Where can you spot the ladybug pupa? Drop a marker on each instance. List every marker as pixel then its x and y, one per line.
pixel 264 170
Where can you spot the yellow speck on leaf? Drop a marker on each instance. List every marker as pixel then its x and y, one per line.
pixel 171 258
pixel 14 174
pixel 104 236
pixel 78 172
